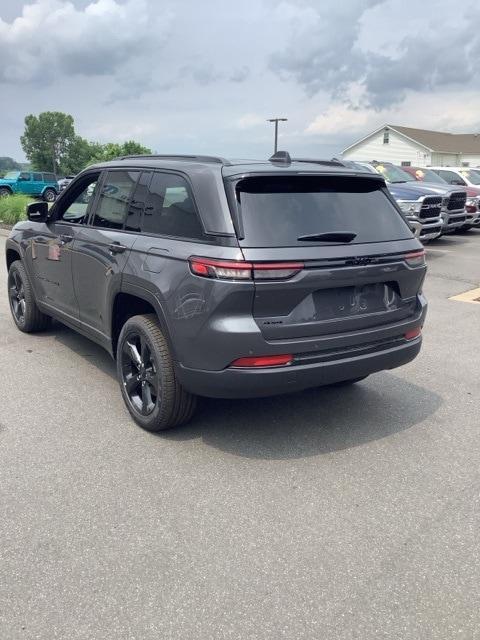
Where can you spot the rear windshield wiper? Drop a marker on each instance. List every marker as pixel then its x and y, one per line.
pixel 329 236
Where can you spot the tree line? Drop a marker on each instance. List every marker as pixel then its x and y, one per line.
pixel 50 143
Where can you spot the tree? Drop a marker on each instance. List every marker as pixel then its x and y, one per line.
pixel 47 139
pixel 80 154
pixel 112 150
pixel 9 164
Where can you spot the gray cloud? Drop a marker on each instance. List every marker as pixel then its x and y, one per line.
pixel 326 55
pixel 54 37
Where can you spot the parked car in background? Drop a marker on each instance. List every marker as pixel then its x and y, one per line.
pixel 30 183
pixel 64 182
pixel 204 276
pixel 470 179
pixel 453 211
pixel 421 206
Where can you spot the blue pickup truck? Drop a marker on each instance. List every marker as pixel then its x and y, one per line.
pixel 30 183
pixel 433 208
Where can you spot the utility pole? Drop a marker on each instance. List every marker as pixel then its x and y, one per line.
pixel 276 121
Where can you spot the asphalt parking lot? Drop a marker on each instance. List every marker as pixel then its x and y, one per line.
pixel 330 514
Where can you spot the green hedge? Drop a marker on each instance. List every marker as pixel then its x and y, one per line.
pixel 12 208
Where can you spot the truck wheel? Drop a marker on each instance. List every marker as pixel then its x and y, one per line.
pixel 49 195
pixel 25 312
pixel 4 191
pixel 150 389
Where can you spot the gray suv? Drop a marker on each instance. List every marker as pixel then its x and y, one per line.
pixel 229 279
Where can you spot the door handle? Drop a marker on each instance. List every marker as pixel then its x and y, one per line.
pixel 116 247
pixel 65 239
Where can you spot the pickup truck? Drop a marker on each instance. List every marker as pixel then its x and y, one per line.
pixel 421 205
pixel 469 179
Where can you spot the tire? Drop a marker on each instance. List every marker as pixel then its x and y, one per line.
pixel 347 383
pixel 21 298
pixel 4 192
pixel 153 395
pixel 49 195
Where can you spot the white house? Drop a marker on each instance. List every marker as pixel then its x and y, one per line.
pixel 416 147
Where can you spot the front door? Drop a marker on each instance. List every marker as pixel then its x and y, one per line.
pixel 101 249
pixel 51 248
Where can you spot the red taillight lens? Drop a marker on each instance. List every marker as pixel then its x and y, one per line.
pixel 416 259
pixel 263 361
pixel 221 269
pixel 238 270
pixel 413 333
pixel 276 270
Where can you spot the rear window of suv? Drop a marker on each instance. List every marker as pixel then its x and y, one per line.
pixel 276 211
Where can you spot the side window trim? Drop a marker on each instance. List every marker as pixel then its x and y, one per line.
pixel 92 206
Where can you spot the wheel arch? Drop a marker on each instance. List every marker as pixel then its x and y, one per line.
pixel 130 301
pixel 8 188
pixel 12 253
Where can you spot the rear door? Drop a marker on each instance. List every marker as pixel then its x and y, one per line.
pixel 337 285
pixel 37 184
pixel 102 248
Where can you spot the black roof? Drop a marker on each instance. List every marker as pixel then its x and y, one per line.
pixel 232 167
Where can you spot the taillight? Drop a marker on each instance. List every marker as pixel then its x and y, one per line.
pixel 263 361
pixel 413 333
pixel 239 270
pixel 416 258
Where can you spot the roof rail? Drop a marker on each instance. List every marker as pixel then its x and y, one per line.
pixel 170 156
pixel 327 163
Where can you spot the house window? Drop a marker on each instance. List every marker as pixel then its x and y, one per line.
pixel 386 136
pixel 465 164
pixel 406 163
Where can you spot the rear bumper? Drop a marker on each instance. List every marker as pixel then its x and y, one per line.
pixel 250 383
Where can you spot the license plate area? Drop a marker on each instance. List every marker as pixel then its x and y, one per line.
pixel 347 302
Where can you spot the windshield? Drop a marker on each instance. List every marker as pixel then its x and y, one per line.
pixel 11 175
pixel 427 175
pixel 470 175
pixel 391 173
pixel 276 211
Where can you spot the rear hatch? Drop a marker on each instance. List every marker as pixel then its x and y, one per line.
pixel 355 277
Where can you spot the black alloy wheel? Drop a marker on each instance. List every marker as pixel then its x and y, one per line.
pixel 152 393
pixel 16 294
pixel 140 374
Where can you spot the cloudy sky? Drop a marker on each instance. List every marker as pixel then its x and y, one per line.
pixel 203 75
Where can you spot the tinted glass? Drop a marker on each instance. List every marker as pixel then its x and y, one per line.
pixel 393 174
pixel 450 176
pixel 276 211
pixel 170 210
pixel 38 177
pixel 49 177
pixel 427 175
pixel 112 208
pixel 24 176
pixel 138 202
pixel 470 175
pixel 77 210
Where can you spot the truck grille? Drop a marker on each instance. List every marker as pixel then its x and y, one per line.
pixel 431 207
pixel 457 201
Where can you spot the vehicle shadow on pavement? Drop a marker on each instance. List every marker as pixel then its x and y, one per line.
pixel 298 425
pixel 312 422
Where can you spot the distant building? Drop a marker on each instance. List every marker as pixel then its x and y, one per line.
pixel 417 147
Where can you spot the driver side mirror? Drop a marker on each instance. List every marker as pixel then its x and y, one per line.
pixel 37 212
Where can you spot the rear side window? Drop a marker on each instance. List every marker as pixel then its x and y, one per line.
pixel 49 177
pixel 170 209
pixel 111 211
pixel 277 211
pixel 38 177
